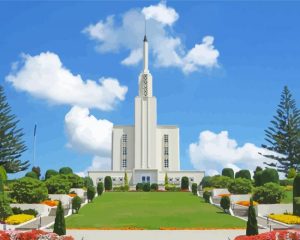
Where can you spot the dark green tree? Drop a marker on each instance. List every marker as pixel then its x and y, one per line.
pixel 225 203
pixel 65 170
pixel 59 224
pixel 244 173
pixel 296 195
pixel 31 175
pixel 50 173
pixel 258 176
pixel 100 188
pixel 76 204
pixel 37 170
pixel 184 183
pixel 194 188
pixel 108 183
pixel 88 182
pixel 90 193
pixel 11 144
pixel 252 228
pixel 283 136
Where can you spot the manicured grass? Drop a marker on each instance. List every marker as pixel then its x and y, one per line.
pixel 288 197
pixel 151 210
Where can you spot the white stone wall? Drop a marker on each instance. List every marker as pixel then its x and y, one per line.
pixel 117 134
pixel 139 173
pixel 266 209
pixel 218 191
pixel 239 197
pixel 173 144
pixel 64 198
pixel 194 176
pixel 96 176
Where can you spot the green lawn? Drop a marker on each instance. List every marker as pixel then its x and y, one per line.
pixel 151 210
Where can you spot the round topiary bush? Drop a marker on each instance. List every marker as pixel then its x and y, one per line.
pixel 107 183
pixel 221 181
pixel 240 186
pixel 100 188
pixel 206 196
pixel 76 204
pixel 269 193
pixel 184 183
pixel 243 174
pixel 206 182
pixel 31 175
pixel 154 187
pixel 146 187
pixel 90 193
pixel 270 175
pixel 194 188
pixel 139 187
pixel 225 203
pixel 65 170
pixel 50 173
pixel 228 172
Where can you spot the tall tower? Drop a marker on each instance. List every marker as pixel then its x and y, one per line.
pixel 145 118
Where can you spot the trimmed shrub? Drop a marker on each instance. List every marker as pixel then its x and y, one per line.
pixel 58 184
pixel 172 188
pixel 29 190
pixel 30 211
pixel 194 188
pixel 76 204
pixel 206 196
pixel 100 188
pixel 139 187
pixel 184 183
pixel 225 203
pixel 243 174
pixel 166 179
pixel 296 195
pixel 31 175
pixel 107 183
pixel 16 210
pixel 269 193
pixel 65 170
pixel 228 172
pixel 270 175
pixel 252 228
pixel 88 182
pixel 258 176
pixel 206 182
pixel 240 186
pixel 154 186
pixel 125 179
pixel 90 193
pixel 5 209
pixel 50 173
pixel 286 182
pixel 146 187
pixel 59 224
pixel 221 181
pixel 291 173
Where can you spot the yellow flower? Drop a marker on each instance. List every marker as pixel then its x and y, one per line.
pixel 285 218
pixel 18 219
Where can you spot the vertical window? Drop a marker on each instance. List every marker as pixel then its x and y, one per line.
pixel 166 151
pixel 124 151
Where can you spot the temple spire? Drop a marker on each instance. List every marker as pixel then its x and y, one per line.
pixel 145 55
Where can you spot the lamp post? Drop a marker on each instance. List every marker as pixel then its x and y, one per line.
pixel 40 221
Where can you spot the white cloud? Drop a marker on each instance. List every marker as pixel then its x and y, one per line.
pixel 167 49
pixel 98 163
pixel 45 77
pixel 161 13
pixel 88 134
pixel 214 151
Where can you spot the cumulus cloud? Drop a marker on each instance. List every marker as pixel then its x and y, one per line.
pixel 88 134
pixel 167 49
pixel 45 77
pixel 98 163
pixel 214 151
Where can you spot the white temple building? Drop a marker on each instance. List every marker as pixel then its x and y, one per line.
pixel 145 150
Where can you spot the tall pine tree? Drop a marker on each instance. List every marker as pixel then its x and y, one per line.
pixel 11 144
pixel 283 136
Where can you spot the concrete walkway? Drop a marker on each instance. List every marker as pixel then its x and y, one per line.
pixel 156 234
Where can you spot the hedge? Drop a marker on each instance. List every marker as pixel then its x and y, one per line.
pixel 228 172
pixel 243 174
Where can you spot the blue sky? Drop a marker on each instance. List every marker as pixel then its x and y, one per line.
pixel 228 99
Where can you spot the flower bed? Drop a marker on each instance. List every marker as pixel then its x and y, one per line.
pixel 32 235
pixel 224 195
pixel 50 203
pixel 285 218
pixel 18 219
pixel 72 195
pixel 246 203
pixel 274 235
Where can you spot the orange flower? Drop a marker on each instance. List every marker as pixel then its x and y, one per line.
pixel 246 203
pixel 72 195
pixel 50 203
pixel 224 195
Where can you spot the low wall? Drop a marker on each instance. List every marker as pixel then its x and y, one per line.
pixel 218 191
pixel 266 209
pixel 42 209
pixel 64 198
pixel 79 191
pixel 239 197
